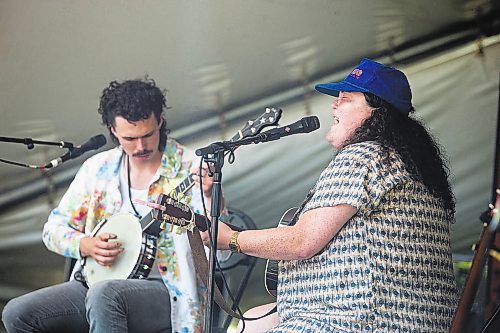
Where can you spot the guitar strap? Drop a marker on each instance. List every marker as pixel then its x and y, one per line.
pixel 201 266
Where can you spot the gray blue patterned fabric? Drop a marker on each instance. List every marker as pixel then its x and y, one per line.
pixel 389 269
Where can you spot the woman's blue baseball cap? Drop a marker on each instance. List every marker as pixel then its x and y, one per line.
pixel 383 81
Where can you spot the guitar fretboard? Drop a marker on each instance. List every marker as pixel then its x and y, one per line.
pixel 185 185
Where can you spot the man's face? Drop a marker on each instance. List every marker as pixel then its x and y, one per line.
pixel 139 139
pixel 349 110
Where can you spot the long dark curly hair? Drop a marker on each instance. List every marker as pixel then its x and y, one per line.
pixel 421 154
pixel 133 100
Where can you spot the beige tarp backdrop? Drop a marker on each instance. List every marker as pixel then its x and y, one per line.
pixel 223 62
pixel 455 94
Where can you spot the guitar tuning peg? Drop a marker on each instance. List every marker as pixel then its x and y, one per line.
pixel 494 254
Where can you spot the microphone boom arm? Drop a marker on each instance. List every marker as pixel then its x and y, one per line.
pixel 30 143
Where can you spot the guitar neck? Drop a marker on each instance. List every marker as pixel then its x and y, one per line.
pixel 150 225
pixel 201 223
pixel 185 185
pixel 180 214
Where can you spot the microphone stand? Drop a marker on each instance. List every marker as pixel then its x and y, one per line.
pixel 30 143
pixel 217 149
pixel 218 162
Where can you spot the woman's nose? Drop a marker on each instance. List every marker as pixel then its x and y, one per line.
pixel 335 103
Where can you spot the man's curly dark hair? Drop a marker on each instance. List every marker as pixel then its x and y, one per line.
pixel 422 155
pixel 133 100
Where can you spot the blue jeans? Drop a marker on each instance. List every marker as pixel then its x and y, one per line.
pixel 108 306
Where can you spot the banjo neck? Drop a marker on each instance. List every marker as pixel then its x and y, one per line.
pixel 184 185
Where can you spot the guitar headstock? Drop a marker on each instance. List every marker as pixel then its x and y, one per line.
pixel 270 117
pixel 170 210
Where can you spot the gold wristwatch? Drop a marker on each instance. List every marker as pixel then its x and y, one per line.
pixel 233 243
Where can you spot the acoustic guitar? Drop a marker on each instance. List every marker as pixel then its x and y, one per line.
pixel 177 213
pixel 170 210
pixel 271 275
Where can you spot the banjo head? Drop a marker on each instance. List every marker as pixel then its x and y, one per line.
pixel 129 233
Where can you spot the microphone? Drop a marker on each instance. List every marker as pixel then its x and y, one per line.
pixel 94 142
pixel 304 125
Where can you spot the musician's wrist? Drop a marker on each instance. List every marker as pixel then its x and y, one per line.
pixel 207 194
pixel 83 248
pixel 234 246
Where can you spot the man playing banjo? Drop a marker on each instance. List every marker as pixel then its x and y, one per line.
pixel 145 164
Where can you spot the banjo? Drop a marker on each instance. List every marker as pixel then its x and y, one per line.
pixel 139 238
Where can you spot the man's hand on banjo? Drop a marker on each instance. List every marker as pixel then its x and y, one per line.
pixel 102 248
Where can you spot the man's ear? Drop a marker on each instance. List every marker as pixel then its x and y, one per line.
pixel 112 129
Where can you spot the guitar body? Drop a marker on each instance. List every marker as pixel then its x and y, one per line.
pixel 271 280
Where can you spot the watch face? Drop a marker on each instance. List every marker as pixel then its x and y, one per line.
pixel 233 248
pixel 233 243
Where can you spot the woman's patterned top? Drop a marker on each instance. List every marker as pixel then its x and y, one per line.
pixel 389 269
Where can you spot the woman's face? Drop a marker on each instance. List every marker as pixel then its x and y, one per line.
pixel 350 110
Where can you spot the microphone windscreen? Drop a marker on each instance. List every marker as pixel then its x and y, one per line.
pixel 310 123
pixel 95 142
